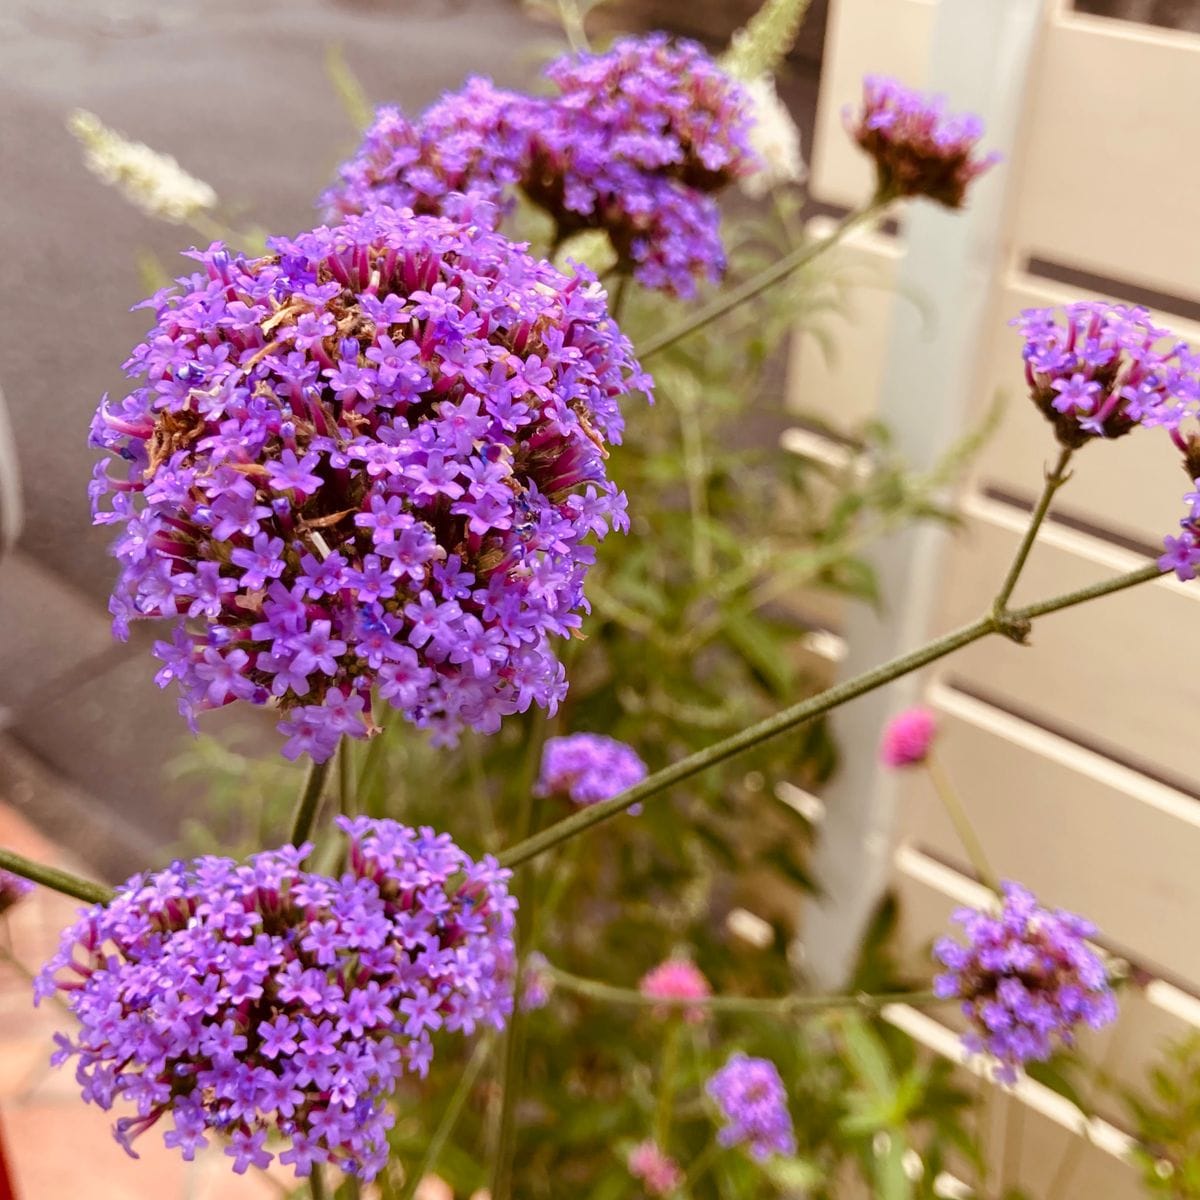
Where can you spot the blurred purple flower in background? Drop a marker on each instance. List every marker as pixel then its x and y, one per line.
pixel 371 459
pixel 1027 979
pixel 263 999
pixel 586 768
pixel 13 889
pixel 753 1103
pixel 635 143
pixel 919 149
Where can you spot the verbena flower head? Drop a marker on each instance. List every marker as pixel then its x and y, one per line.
pixel 657 1172
pixel 372 458
pixel 907 738
pixel 919 149
pixel 261 999
pixel 677 979
pixel 588 767
pixel 753 1103
pixel 13 889
pixel 463 153
pixel 1098 370
pixel 635 143
pixel 1027 979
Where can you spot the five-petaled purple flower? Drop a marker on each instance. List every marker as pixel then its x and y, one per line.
pixel 753 1103
pixel 387 476
pixel 588 767
pixel 919 149
pixel 261 999
pixel 1027 979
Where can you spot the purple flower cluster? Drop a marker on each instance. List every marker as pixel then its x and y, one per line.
pixel 1027 978
pixel 13 889
pixel 588 767
pixel 262 999
pixel 1101 369
pixel 918 147
pixel 370 459
pixel 466 151
pixel 635 143
pixel 753 1104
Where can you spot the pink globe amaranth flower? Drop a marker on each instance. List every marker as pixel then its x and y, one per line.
pixel 658 1173
pixel 260 1000
pixel 918 147
pixel 371 461
pixel 1027 979
pixel 908 737
pixel 13 889
pixel 677 979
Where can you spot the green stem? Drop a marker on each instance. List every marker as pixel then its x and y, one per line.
pixel 1092 592
pixel 523 889
pixel 666 1085
pixel 700 1164
pixel 1054 480
pixel 776 1006
pixel 310 799
pixel 1013 624
pixel 55 879
pixel 316 1183
pixel 347 779
pixel 454 1108
pixel 726 301
pixel 621 296
pixel 961 822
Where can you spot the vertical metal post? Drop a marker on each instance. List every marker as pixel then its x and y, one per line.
pixel 981 58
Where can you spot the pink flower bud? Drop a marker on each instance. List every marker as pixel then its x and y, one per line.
pixel 907 738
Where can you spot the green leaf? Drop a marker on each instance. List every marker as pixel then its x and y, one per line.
pixel 764 651
pixel 869 1057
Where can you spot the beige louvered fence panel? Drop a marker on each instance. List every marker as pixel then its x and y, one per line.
pixel 1075 755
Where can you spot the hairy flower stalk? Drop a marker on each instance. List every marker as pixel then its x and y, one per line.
pixel 570 827
pixel 1013 624
pixel 261 1000
pixel 370 460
